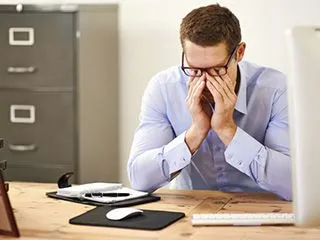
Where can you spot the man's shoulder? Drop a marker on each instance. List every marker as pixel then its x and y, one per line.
pixel 262 76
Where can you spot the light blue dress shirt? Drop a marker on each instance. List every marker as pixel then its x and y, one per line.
pixel 257 159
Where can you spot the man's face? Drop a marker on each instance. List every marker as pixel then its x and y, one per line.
pixel 215 57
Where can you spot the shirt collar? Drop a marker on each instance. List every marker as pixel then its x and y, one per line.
pixel 241 104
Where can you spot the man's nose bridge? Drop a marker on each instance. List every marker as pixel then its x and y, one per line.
pixel 206 72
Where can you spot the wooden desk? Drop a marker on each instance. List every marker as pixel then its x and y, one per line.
pixel 39 217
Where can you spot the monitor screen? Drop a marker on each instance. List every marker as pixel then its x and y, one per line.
pixel 303 45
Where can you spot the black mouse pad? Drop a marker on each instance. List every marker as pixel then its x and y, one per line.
pixel 148 220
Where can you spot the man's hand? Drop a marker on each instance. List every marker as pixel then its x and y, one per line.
pixel 198 109
pixel 223 92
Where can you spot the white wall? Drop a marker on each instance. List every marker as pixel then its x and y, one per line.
pixel 149 42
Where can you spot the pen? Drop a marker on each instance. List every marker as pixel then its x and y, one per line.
pixel 97 194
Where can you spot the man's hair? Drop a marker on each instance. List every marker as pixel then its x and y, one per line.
pixel 211 25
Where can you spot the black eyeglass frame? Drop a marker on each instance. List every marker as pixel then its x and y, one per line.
pixel 215 68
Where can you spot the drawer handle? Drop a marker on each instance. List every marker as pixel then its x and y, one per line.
pixel 22 148
pixel 21 69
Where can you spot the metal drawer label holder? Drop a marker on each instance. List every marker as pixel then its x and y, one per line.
pixel 17 119
pixel 18 42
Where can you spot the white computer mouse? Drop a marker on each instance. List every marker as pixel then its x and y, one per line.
pixel 123 213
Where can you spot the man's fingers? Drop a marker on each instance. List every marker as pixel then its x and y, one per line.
pixel 228 86
pixel 224 88
pixel 192 83
pixel 217 96
pixel 231 84
pixel 198 92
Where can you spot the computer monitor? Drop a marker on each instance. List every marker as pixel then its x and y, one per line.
pixel 303 47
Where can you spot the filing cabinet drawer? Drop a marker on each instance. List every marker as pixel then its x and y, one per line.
pixel 41 173
pixel 37 50
pixel 38 129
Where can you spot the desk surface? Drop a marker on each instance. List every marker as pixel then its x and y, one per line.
pixel 40 217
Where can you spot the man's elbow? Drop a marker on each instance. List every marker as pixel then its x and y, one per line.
pixel 140 186
pixel 136 180
pixel 287 196
pixel 285 193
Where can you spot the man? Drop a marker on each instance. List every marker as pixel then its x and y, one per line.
pixel 215 122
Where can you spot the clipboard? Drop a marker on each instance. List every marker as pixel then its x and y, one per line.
pixel 75 193
pixel 125 203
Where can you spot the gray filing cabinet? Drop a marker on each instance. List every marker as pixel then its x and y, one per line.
pixel 58 91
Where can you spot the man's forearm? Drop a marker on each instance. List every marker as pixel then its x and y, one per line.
pixel 153 168
pixel 194 138
pixel 226 135
pixel 146 172
pixel 269 168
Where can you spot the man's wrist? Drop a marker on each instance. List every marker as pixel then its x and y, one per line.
pixel 227 134
pixel 194 138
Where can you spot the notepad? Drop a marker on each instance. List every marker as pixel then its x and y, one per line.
pixel 79 190
pixel 98 192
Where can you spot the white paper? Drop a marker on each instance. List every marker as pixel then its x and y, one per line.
pixel 79 190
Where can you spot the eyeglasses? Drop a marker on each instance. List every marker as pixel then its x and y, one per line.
pixel 213 71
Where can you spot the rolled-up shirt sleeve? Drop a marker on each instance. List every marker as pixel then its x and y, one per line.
pixel 156 152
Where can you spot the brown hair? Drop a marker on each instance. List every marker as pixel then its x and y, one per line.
pixel 211 25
